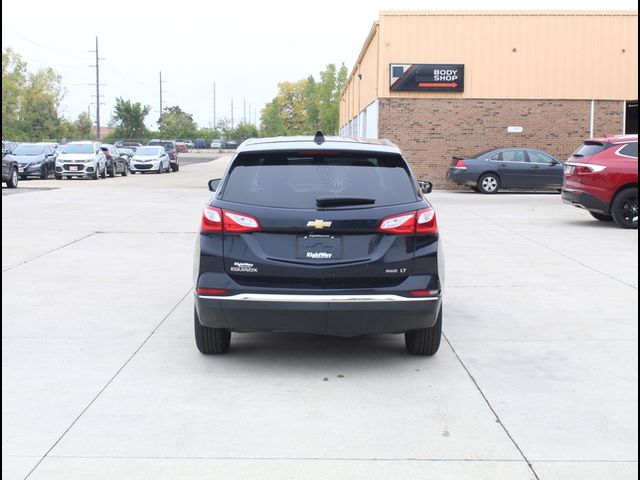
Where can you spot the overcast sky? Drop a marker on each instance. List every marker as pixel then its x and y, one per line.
pixel 245 47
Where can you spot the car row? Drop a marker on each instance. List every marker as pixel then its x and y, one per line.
pixel 89 159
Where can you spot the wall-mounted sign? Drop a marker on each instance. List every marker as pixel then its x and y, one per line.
pixel 422 77
pixel 515 129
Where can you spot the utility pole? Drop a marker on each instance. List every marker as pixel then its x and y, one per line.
pixel 97 65
pixel 160 94
pixel 214 105
pixel 231 112
pixel 244 110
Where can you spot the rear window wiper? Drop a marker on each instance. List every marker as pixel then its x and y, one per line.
pixel 343 201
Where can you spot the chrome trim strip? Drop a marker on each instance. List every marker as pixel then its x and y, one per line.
pixel 268 297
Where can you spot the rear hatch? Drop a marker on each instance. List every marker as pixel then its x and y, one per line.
pixel 579 163
pixel 314 220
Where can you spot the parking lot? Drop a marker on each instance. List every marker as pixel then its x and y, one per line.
pixel 536 379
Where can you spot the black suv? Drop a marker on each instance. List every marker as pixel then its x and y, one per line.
pixel 117 163
pixel 170 147
pixel 320 236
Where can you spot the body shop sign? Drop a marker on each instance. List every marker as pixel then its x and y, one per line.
pixel 427 77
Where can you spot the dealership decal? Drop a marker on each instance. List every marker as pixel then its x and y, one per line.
pixel 241 267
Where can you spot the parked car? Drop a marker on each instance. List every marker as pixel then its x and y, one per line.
pixel 602 177
pixel 34 159
pixel 9 171
pixel 150 159
pixel 172 151
pixel 217 143
pixel 329 236
pixel 200 143
pixel 116 161
pixel 188 143
pixel 491 171
pixel 181 147
pixel 128 144
pixel 81 159
pixel 230 144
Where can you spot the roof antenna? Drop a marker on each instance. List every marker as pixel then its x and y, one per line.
pixel 319 138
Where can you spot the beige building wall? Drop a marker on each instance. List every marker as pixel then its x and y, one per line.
pixel 507 55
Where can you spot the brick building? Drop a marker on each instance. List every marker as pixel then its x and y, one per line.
pixel 441 84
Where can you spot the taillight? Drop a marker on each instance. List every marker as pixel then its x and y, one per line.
pixel 211 220
pixel 211 291
pixel 239 222
pixel 426 221
pixel 422 222
pixel 218 220
pixel 584 168
pixel 109 157
pixel 460 164
pixel 404 224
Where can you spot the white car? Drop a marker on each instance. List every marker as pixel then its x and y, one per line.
pixel 150 159
pixel 81 159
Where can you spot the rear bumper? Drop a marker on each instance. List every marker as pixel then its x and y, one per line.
pixel 461 176
pixel 340 315
pixel 581 199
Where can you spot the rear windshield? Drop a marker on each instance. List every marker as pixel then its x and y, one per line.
pixel 589 149
pixel 298 179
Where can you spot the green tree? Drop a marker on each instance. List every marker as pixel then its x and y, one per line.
pixel 14 81
pixel 303 107
pixel 330 88
pixel 243 131
pixel 39 118
pixel 176 123
pixel 82 126
pixel 128 119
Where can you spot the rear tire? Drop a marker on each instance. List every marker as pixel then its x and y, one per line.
pixel 104 172
pixel 602 217
pixel 624 208
pixel 489 183
pixel 125 171
pixel 44 172
pixel 424 341
pixel 58 176
pixel 96 174
pixel 211 340
pixel 112 172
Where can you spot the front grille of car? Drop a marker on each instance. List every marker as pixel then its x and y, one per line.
pixel 67 167
pixel 143 167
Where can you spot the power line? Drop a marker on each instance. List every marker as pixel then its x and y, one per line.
pixel 55 50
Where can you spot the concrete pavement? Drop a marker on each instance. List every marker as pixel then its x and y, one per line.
pixel 537 377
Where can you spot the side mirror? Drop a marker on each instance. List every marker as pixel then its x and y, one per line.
pixel 214 184
pixel 425 187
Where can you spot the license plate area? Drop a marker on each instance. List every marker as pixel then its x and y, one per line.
pixel 73 168
pixel 568 170
pixel 319 247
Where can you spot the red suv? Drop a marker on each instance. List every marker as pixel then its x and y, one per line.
pixel 602 177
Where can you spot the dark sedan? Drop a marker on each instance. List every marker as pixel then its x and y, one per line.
pixel 507 168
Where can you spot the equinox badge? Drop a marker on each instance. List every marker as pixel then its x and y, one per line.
pixel 319 224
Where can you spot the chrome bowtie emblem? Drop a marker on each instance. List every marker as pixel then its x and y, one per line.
pixel 319 224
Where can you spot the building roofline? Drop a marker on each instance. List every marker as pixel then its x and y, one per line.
pixel 363 51
pixel 480 13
